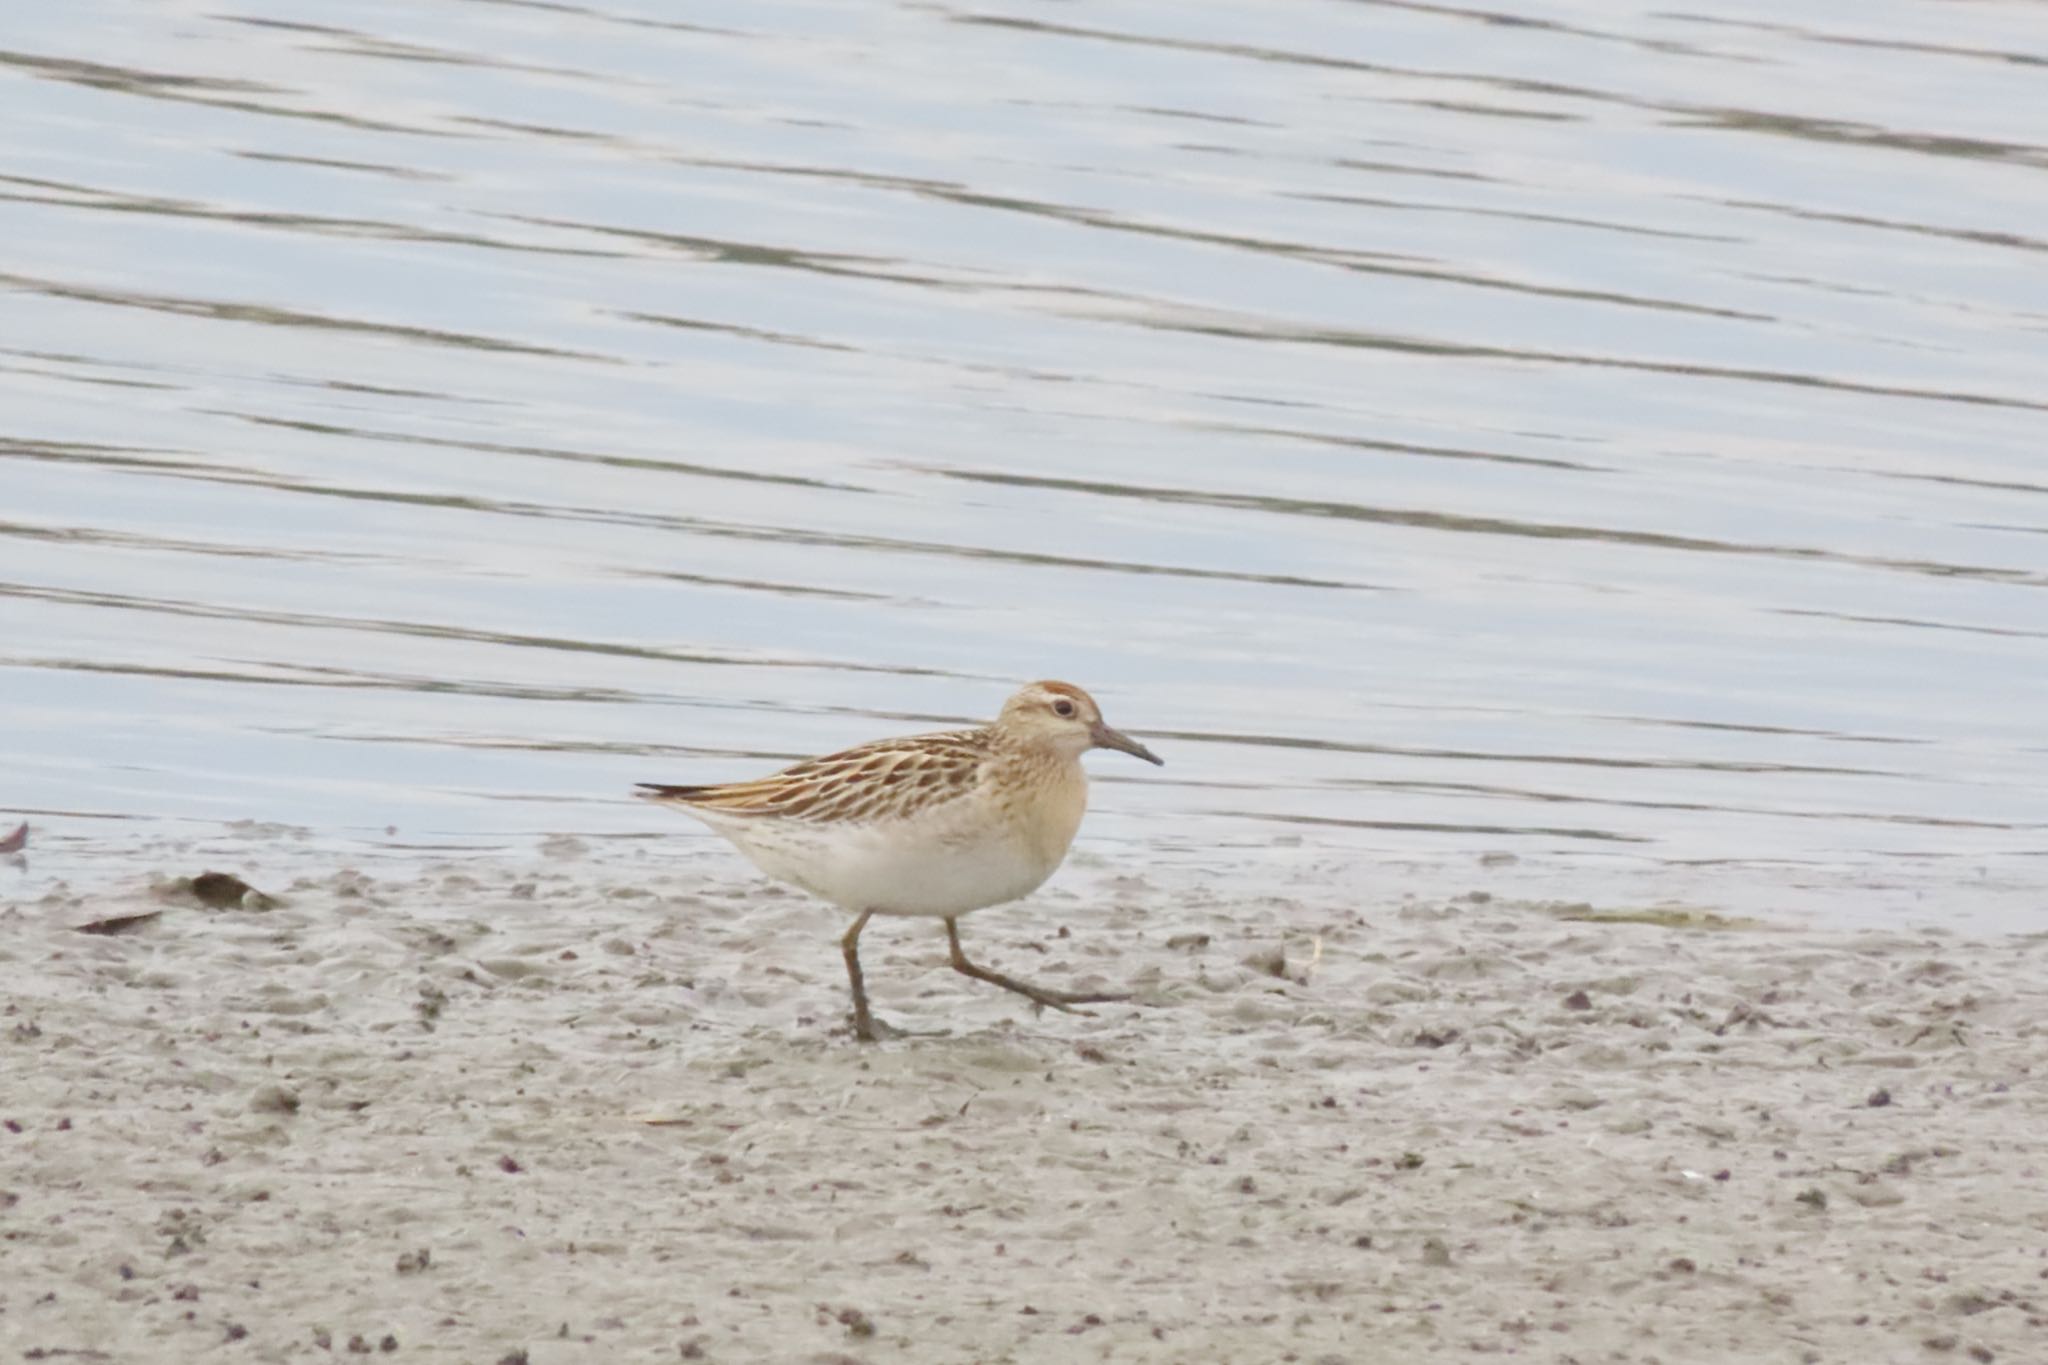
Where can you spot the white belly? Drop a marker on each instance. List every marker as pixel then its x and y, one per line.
pixel 923 867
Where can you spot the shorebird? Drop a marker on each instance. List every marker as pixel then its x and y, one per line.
pixel 936 825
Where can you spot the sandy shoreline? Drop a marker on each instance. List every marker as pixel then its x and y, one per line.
pixel 411 1110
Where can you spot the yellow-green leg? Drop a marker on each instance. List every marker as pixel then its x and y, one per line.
pixel 1059 1000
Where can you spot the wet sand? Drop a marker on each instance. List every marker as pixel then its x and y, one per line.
pixel 603 1108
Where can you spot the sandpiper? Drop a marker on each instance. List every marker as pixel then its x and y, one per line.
pixel 933 825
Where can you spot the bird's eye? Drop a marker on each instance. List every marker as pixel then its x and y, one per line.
pixel 1063 707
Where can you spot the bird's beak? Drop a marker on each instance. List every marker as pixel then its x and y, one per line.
pixel 1106 738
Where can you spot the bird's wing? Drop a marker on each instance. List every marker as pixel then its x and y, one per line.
pixel 875 781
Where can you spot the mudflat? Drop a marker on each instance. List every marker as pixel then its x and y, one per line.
pixel 604 1108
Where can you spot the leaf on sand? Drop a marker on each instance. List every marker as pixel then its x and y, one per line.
pixel 119 924
pixel 1663 917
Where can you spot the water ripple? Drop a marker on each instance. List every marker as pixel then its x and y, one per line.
pixel 1414 417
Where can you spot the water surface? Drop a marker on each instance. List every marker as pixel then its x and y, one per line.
pixel 1607 436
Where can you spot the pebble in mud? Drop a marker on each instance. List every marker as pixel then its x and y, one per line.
pixel 358 1344
pixel 274 1099
pixel 223 891
pixel 1268 961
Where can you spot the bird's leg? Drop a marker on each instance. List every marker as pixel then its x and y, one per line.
pixel 863 1022
pixel 1059 1000
pixel 866 1027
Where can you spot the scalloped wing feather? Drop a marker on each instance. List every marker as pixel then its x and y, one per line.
pixel 885 780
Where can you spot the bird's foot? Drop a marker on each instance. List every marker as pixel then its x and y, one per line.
pixel 869 1029
pixel 1066 1001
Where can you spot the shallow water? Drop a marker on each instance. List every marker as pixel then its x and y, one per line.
pixel 1609 437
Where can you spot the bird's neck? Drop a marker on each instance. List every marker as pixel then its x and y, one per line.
pixel 1034 762
pixel 1045 792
